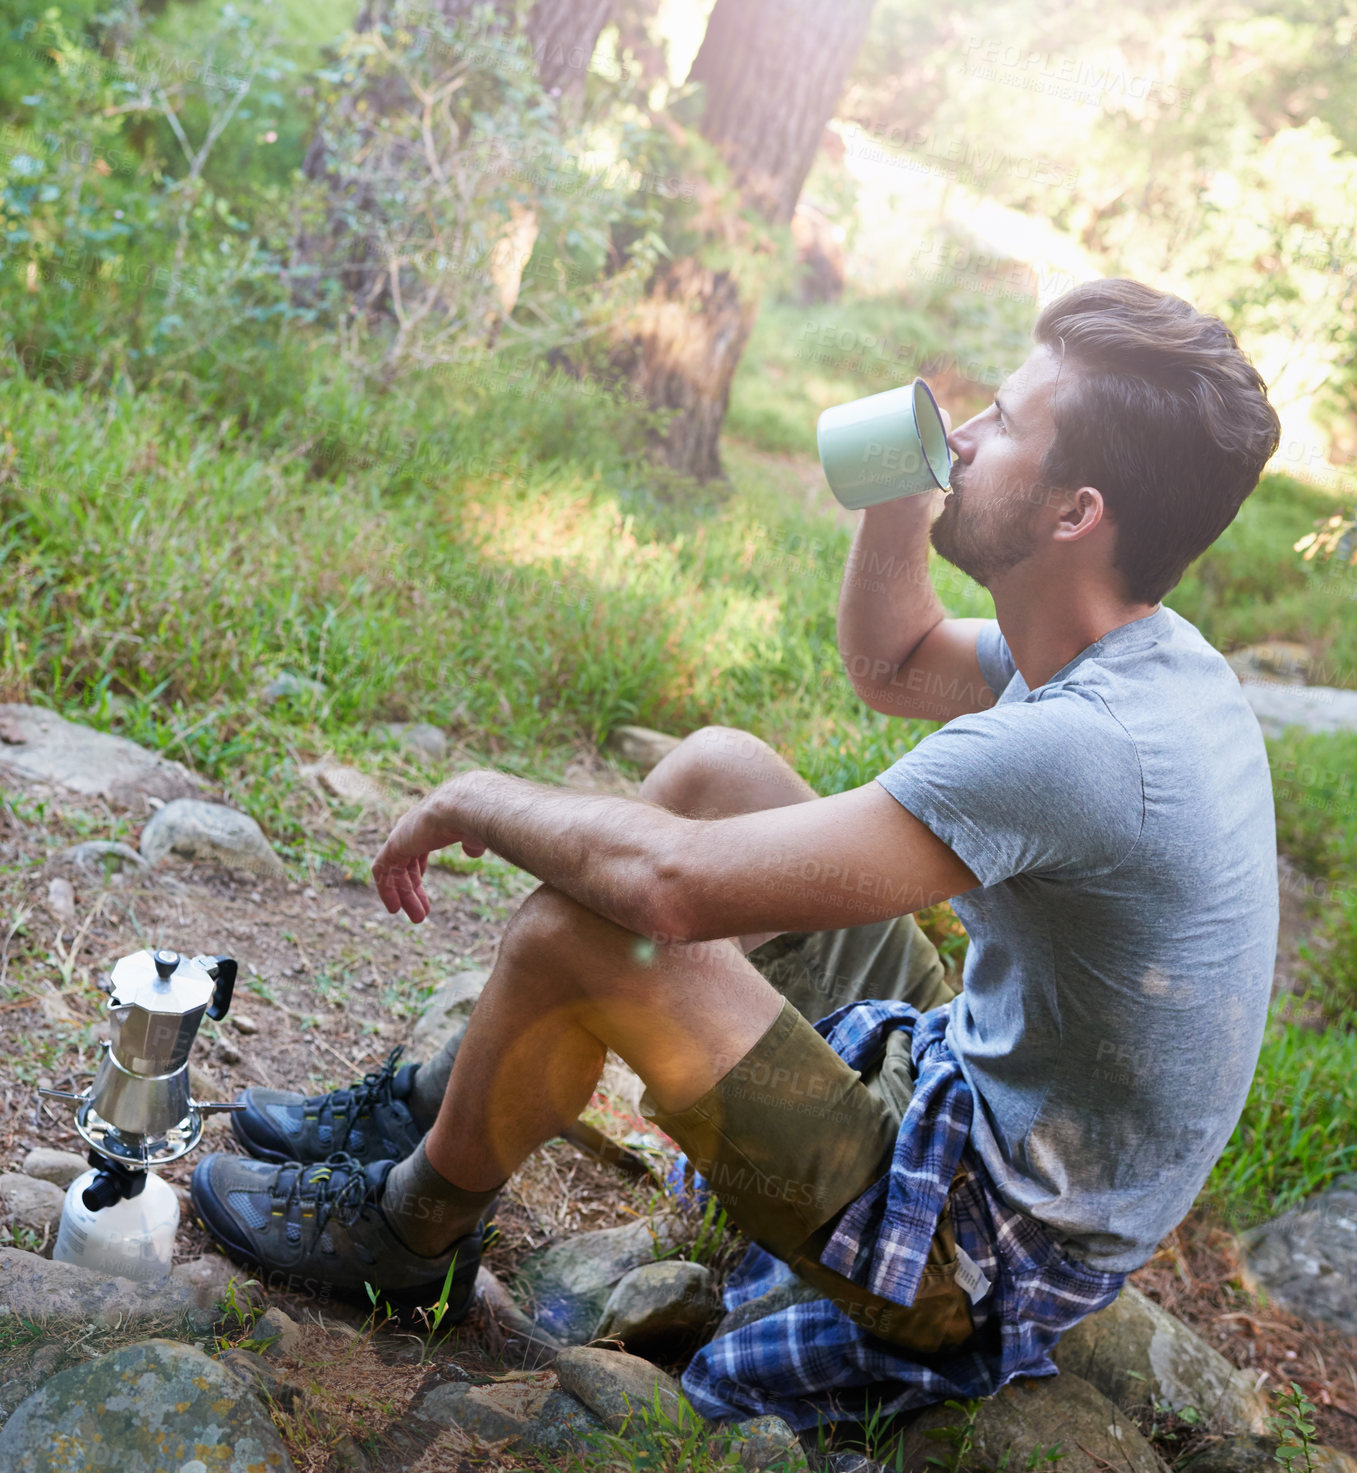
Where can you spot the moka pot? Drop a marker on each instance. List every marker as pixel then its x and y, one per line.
pixel 139 1112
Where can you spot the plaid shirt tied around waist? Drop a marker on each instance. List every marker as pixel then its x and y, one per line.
pixel 810 1362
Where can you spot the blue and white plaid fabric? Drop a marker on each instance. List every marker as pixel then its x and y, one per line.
pixel 810 1362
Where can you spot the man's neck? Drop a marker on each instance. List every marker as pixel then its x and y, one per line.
pixel 1045 630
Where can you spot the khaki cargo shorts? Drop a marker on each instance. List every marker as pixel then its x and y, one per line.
pixel 792 1135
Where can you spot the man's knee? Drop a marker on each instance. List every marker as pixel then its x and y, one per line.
pixel 702 763
pixel 544 925
pixel 551 935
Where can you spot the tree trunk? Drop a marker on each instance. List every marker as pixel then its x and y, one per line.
pixel 563 34
pixel 688 336
pixel 772 71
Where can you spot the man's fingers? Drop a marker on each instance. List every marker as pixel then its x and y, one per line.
pixel 400 883
pixel 409 900
pixel 416 873
pixel 383 876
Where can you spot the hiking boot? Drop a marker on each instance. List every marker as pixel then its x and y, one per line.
pixel 370 1121
pixel 316 1229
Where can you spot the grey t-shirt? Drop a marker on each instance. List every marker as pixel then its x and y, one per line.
pixel 1119 819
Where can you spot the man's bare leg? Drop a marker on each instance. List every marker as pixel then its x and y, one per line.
pixel 719 771
pixel 567 986
pixel 715 772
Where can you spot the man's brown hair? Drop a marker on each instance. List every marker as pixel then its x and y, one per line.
pixel 1160 411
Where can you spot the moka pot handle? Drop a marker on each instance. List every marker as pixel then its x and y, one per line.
pixel 223 971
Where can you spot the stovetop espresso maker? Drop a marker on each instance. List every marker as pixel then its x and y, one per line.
pixel 139 1112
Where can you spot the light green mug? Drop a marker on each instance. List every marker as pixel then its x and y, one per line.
pixel 886 445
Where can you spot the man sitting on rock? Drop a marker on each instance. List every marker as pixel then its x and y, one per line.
pixel 954 1178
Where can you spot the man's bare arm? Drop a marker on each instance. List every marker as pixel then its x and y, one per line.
pixel 830 862
pixel 901 652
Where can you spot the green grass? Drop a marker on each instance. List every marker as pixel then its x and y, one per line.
pixel 1314 779
pixel 155 574
pixel 1299 1127
pixel 1251 587
pixel 668 1436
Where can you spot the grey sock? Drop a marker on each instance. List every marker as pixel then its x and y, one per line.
pixel 425 1210
pixel 431 1083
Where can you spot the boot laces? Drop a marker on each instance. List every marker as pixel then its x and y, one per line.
pixel 337 1189
pixel 361 1099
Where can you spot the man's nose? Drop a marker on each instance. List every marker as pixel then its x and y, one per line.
pixel 961 444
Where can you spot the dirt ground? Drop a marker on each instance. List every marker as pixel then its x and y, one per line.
pixel 329 984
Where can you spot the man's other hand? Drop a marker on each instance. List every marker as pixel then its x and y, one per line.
pixel 399 868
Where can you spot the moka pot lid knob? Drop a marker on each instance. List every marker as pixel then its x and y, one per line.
pixel 161 982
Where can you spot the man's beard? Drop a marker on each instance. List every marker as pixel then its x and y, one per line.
pixel 985 541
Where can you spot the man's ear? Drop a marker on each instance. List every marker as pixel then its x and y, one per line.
pixel 1079 513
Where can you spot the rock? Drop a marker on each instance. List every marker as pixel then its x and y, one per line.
pixel 61 900
pixel 145 1408
pixel 347 1457
pixel 244 1023
pixel 1136 1353
pixel 1031 1414
pixel 445 1015
pixel 1311 707
pixel 31 1204
pixel 41 746
pixel 670 1300
pixel 615 1386
pixel 205 1280
pixel 26 1367
pixel 59 1167
pixel 282 1332
pixel 530 1416
pixel 502 1411
pixel 569 1282
pixel 564 1425
pixel 291 687
pixel 1245 1453
pixel 1306 1259
pixel 228 1053
pixel 89 855
pixel 421 737
pixel 192 829
pixel 641 745
pixel 1279 661
pixel 65 1294
pixel 351 786
pixel 768 1442
pixel 1239 1454
pixel 534 1346
pixel 257 1375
